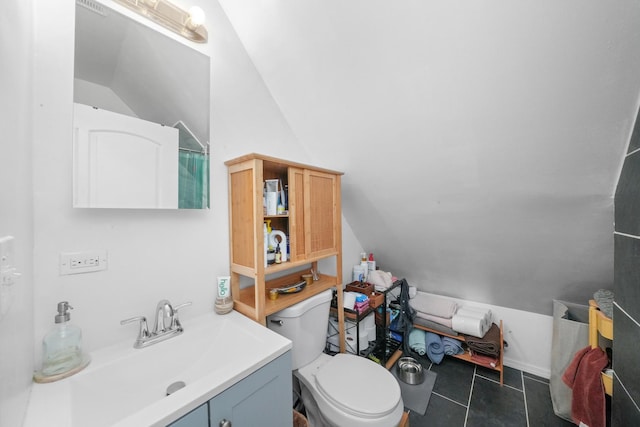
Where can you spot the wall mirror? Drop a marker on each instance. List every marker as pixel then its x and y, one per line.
pixel 141 115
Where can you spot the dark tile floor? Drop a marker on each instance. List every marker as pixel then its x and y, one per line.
pixel 466 395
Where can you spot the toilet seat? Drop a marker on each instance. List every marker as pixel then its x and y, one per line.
pixel 358 386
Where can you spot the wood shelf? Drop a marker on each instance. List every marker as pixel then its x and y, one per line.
pixel 246 299
pixel 466 356
pixel 287 265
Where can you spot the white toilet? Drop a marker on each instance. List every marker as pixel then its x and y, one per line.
pixel 342 390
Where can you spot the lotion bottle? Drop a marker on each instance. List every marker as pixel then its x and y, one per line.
pixel 364 265
pixel 62 346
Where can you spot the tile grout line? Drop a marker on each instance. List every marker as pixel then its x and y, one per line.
pixel 626 391
pixel 627 314
pixel 449 399
pixel 535 379
pixel 524 398
pixel 498 382
pixel 473 381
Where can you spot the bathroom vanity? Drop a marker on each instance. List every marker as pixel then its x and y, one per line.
pixel 233 369
pixel 249 402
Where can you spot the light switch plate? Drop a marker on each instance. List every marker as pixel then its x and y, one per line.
pixel 6 252
pixel 8 274
pixel 8 271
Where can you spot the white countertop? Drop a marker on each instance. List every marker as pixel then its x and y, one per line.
pixel 214 352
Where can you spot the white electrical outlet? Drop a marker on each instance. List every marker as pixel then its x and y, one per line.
pixel 83 262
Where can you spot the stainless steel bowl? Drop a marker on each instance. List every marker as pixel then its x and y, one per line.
pixel 410 370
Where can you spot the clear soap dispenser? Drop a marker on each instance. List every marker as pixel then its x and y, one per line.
pixel 62 346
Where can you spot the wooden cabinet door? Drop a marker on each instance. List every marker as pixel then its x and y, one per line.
pixel 245 211
pixel 296 214
pixel 314 211
pixel 322 222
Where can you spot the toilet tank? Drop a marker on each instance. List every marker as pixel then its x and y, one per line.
pixel 305 324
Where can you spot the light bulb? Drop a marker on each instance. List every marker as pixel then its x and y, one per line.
pixel 196 17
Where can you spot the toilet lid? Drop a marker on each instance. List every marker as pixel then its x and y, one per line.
pixel 358 386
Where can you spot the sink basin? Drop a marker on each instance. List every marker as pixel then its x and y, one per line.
pixel 124 386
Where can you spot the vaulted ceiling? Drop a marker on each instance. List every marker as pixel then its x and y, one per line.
pixel 481 140
pixel 156 77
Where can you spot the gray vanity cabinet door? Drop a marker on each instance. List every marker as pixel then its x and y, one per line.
pixel 263 399
pixel 199 417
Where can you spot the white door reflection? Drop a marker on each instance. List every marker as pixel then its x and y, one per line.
pixel 123 161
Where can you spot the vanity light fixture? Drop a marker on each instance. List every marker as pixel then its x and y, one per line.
pixel 188 24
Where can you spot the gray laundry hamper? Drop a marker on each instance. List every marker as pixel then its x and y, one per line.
pixel 570 334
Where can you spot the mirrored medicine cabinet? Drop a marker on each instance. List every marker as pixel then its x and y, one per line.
pixel 141 115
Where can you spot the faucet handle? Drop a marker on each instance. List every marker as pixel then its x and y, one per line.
pixel 175 322
pixel 143 331
pixel 179 306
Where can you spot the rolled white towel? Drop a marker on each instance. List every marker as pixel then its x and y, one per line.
pixel 475 312
pixel 469 325
pixel 440 320
pixel 435 306
pixel 479 313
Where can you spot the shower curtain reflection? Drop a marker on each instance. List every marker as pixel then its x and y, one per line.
pixel 193 180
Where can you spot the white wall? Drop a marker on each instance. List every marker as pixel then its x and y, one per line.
pixel 482 139
pixel 16 210
pixel 152 254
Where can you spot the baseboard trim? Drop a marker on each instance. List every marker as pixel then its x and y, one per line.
pixel 526 367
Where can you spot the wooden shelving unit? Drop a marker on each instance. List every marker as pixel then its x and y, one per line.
pixel 466 356
pixel 600 325
pixel 312 223
pixel 387 350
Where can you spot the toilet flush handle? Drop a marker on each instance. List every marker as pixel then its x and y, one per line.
pixel 278 322
pixel 224 423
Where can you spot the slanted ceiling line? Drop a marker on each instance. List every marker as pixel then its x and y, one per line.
pixel 626 314
pixel 633 152
pixel 626 235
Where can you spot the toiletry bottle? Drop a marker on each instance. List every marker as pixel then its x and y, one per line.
pixel 371 263
pixel 365 267
pixel 62 346
pixel 278 254
pixel 224 301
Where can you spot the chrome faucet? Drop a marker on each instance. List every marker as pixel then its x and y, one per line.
pixel 164 317
pixel 167 324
